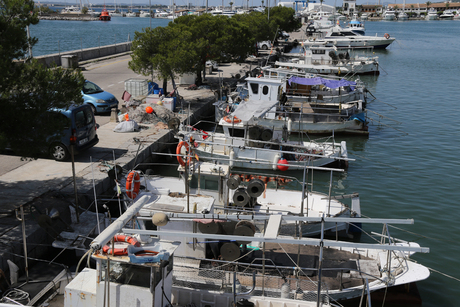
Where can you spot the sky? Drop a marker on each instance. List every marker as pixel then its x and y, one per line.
pixel 217 2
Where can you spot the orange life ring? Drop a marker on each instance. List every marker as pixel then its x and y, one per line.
pixel 387 36
pixel 235 119
pixel 121 251
pixel 178 152
pixel 133 184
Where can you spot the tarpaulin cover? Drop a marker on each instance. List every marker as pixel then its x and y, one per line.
pixel 320 81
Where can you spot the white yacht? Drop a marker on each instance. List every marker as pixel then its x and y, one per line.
pixel 144 14
pixel 364 16
pixel 432 14
pixel 389 15
pixel 131 14
pixel 71 10
pixel 341 38
pixel 447 15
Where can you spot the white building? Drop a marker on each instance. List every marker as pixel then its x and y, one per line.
pixel 349 7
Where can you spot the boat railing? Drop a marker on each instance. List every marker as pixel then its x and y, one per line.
pixel 218 277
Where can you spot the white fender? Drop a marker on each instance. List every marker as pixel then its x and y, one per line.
pixel 289 125
pixel 275 161
pixel 232 158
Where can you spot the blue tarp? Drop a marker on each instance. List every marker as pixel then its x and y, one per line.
pixel 320 81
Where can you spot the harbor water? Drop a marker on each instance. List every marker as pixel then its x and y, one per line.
pixel 408 167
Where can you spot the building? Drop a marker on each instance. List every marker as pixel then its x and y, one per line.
pixel 349 7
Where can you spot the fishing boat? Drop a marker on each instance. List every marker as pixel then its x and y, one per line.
pixel 320 59
pixel 105 16
pixel 295 105
pixel 150 273
pixel 259 148
pixel 356 25
pixel 71 10
pixel 163 258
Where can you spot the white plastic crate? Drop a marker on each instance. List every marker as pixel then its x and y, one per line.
pixel 137 87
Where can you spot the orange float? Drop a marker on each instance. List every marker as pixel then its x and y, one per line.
pixel 121 251
pixel 235 120
pixel 178 152
pixel 133 184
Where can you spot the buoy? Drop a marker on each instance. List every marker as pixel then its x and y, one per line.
pixel 284 166
pixel 133 184
pixel 149 110
pixel 160 219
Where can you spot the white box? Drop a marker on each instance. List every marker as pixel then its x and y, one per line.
pixel 169 103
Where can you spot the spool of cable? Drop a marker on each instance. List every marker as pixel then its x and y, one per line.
pixel 241 197
pixel 233 182
pixel 230 251
pixel 255 187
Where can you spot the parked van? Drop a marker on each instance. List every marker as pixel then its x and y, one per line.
pixel 80 129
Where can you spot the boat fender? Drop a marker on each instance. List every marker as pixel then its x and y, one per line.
pixel 283 165
pixel 275 161
pixel 179 154
pixel 133 184
pixel 232 158
pixel 289 126
pixel 387 36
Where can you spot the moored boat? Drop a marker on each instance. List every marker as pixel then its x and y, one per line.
pixel 105 16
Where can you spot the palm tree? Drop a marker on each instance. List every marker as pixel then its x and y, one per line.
pixel 411 9
pixel 262 3
pixel 231 6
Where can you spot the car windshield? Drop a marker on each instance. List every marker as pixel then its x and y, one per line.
pixel 91 88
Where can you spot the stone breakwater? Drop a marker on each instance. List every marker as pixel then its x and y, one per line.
pixel 72 17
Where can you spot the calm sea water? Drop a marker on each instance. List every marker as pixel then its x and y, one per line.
pixel 408 167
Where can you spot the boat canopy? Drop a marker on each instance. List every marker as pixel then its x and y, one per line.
pixel 248 109
pixel 320 81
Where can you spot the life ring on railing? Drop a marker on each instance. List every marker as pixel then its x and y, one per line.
pixel 121 251
pixel 386 35
pixel 235 119
pixel 133 184
pixel 178 152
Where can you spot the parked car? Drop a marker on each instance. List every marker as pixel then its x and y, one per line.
pixel 283 35
pixel 79 127
pixel 99 100
pixel 265 45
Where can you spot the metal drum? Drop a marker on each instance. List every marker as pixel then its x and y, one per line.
pixel 241 197
pixel 255 188
pixel 233 182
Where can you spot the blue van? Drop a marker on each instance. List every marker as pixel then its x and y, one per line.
pixel 80 128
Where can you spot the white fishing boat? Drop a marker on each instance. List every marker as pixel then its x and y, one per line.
pixel 184 259
pixel 291 105
pixel 329 60
pixel 432 14
pixel 364 16
pixel 260 148
pixel 130 14
pixel 356 25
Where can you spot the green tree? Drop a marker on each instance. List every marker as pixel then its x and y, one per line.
pixel 84 10
pixel 27 88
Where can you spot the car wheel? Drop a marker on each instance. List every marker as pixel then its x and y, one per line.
pixel 59 152
pixel 264 47
pixel 93 108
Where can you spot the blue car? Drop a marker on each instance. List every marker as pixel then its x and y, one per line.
pixel 99 100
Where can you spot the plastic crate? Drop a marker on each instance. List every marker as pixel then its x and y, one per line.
pixel 137 87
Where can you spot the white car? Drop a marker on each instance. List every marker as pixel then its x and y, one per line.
pixel 265 45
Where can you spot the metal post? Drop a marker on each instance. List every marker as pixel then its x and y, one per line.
pixel 75 191
pixel 24 242
pixel 320 263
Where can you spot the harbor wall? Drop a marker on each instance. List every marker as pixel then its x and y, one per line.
pixel 71 58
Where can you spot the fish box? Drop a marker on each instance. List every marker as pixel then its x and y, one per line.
pixel 169 103
pixel 152 98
